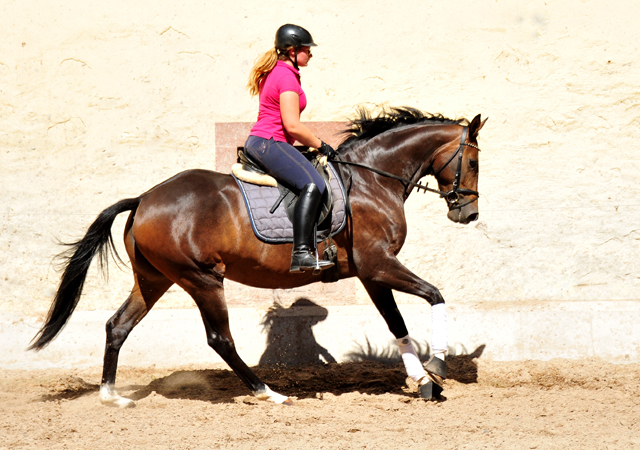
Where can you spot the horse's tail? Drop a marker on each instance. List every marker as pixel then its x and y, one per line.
pixel 76 262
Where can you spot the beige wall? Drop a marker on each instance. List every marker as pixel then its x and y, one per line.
pixel 102 100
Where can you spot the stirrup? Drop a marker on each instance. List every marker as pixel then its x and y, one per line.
pixel 303 260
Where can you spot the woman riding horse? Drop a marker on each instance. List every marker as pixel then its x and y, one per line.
pixel 276 79
pixel 193 230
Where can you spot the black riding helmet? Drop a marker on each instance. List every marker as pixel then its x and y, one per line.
pixel 293 36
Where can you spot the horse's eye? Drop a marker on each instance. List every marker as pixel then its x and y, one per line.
pixel 473 164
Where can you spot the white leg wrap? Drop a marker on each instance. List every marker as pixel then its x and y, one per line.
pixel 109 397
pixel 410 358
pixel 439 344
pixel 274 397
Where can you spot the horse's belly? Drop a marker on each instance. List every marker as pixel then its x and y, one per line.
pixel 269 278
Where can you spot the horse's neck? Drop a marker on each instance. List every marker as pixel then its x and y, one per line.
pixel 406 152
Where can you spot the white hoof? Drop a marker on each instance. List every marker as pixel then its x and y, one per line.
pixel 269 395
pixel 109 397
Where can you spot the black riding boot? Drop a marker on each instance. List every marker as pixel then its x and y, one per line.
pixel 304 218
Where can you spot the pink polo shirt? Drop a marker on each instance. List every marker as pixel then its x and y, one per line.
pixel 282 78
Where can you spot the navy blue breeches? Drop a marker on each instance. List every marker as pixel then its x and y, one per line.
pixel 284 162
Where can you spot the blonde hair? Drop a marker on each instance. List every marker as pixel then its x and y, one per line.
pixel 263 65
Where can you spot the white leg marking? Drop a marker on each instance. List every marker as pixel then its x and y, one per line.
pixel 274 397
pixel 109 397
pixel 439 342
pixel 410 358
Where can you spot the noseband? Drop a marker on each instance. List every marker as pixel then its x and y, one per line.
pixel 452 197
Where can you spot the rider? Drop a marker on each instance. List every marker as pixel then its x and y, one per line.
pixel 275 78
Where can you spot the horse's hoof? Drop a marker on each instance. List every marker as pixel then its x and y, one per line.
pixel 119 402
pixel 268 395
pixel 108 397
pixel 436 368
pixel 430 391
pixel 437 379
pixel 125 403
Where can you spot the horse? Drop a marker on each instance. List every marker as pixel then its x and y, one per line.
pixel 193 230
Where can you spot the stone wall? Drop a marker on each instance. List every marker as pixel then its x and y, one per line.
pixel 102 100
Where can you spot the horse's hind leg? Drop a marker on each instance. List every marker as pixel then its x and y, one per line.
pixel 209 296
pixel 147 290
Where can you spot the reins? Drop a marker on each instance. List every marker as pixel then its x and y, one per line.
pixel 405 181
pixel 452 197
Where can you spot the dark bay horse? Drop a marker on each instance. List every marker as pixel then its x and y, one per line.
pixel 193 230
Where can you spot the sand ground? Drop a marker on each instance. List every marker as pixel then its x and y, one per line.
pixel 559 404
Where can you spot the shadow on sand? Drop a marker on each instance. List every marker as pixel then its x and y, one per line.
pixel 461 365
pixel 294 364
pixel 371 371
pixel 290 339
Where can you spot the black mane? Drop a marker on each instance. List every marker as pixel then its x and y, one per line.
pixel 365 126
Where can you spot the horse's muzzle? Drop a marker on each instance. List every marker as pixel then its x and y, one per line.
pixel 464 215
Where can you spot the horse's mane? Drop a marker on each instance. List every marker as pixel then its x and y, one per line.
pixel 365 126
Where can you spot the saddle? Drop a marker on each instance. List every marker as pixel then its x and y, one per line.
pixel 270 203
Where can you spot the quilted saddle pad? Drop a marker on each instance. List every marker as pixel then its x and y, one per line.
pixel 276 228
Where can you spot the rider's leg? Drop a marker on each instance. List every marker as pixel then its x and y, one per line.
pixel 287 164
pixel 304 219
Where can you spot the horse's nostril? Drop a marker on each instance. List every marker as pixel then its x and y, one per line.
pixel 473 217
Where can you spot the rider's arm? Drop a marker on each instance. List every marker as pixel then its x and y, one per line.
pixel 290 112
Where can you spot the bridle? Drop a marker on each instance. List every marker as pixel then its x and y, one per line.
pixel 452 197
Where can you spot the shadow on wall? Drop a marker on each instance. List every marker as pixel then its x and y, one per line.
pixel 461 365
pixel 290 339
pixel 291 342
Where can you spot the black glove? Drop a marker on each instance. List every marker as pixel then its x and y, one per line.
pixel 327 150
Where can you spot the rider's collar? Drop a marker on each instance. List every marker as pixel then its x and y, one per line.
pixel 293 69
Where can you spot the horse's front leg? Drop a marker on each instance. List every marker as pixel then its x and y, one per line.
pixel 391 274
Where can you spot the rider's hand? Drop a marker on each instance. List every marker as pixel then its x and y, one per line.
pixel 327 150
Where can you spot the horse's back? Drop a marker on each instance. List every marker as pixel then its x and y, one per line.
pixel 187 207
pixel 188 189
pixel 189 181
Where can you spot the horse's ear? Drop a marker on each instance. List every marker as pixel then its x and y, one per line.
pixel 475 126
